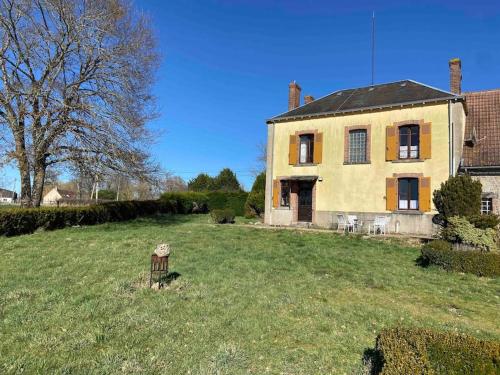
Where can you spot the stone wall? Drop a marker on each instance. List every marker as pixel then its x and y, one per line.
pixel 491 189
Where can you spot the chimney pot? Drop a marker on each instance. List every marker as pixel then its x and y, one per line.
pixel 455 76
pixel 308 99
pixel 293 95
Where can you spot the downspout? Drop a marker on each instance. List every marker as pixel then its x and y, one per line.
pixel 269 174
pixel 450 143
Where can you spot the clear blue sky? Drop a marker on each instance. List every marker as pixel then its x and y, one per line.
pixel 227 64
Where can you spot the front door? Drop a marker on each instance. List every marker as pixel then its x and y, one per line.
pixel 305 202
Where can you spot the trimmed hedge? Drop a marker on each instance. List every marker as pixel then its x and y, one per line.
pixel 225 216
pixel 187 202
pixel 480 263
pixel 18 221
pixel 195 202
pixel 219 200
pixel 424 351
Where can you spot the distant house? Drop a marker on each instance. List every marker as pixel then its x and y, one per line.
pixel 7 196
pixel 57 196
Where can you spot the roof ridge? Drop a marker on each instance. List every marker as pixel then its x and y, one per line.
pixel 481 91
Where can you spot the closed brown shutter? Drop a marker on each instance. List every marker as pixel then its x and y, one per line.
pixel 391 194
pixel 390 143
pixel 292 150
pixel 318 148
pixel 424 194
pixel 425 141
pixel 276 193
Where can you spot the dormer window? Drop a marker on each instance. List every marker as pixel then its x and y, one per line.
pixel 409 142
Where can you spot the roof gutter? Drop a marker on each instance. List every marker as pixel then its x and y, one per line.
pixel 371 108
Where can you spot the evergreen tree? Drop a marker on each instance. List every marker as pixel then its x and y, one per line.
pixel 226 181
pixel 458 196
pixel 202 182
pixel 254 205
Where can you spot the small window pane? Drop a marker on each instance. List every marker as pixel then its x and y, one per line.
pixel 408 193
pixel 285 194
pixel 357 146
pixel 486 205
pixel 306 149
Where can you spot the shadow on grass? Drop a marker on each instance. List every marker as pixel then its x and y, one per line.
pixel 165 281
pixel 372 361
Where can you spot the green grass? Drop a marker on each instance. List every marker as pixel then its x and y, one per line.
pixel 247 300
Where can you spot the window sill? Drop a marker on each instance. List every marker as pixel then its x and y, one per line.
pixel 407 160
pixel 305 165
pixel 355 163
pixel 282 208
pixel 408 212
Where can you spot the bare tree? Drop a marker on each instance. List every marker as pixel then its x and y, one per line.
pixel 173 184
pixel 75 88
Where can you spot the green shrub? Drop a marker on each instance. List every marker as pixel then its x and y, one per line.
pixel 218 200
pixel 18 221
pixel 480 263
pixel 424 351
pixel 458 196
pixel 224 216
pixel 187 202
pixel 484 221
pixel 254 205
pixel 460 230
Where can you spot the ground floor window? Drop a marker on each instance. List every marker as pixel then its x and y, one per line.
pixel 285 194
pixel 486 205
pixel 408 193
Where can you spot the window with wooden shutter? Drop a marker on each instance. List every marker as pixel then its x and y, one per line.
pixel 424 194
pixel 276 193
pixel 391 194
pixel 425 141
pixel 292 150
pixel 318 148
pixel 390 143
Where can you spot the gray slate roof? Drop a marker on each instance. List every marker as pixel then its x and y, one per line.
pixel 369 97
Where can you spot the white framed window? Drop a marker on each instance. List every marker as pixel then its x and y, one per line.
pixel 486 205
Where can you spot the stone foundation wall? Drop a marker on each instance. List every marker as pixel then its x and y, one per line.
pixel 404 223
pixel 491 189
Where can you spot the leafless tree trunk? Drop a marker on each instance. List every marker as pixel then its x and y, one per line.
pixel 75 88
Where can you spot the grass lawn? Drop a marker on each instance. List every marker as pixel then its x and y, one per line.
pixel 247 300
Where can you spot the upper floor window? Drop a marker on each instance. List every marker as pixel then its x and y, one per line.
pixel 357 146
pixel 486 205
pixel 285 194
pixel 306 148
pixel 409 142
pixel 408 194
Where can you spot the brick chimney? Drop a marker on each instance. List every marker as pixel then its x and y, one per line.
pixel 455 76
pixel 293 95
pixel 308 99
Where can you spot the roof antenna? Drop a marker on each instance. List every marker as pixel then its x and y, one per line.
pixel 373 48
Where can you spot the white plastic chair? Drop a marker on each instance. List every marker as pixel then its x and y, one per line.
pixel 342 223
pixel 354 224
pixel 380 223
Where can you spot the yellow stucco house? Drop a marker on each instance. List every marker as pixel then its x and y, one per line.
pixel 376 151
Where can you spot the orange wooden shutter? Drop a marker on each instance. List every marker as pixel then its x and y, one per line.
pixel 292 150
pixel 391 194
pixel 276 193
pixel 424 194
pixel 318 148
pixel 425 141
pixel 390 143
